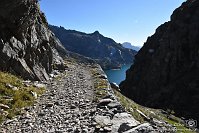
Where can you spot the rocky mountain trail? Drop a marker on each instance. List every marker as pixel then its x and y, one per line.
pixel 73 103
pixel 65 107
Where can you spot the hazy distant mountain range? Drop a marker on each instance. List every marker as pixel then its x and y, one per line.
pixel 130 46
pixel 105 51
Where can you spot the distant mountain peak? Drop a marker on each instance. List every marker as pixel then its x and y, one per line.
pixel 96 32
pixel 130 46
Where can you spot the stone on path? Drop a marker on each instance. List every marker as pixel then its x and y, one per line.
pixel 103 102
pixel 3 106
pixel 123 119
pixel 103 120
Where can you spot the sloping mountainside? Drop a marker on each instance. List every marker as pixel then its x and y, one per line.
pixel 166 69
pixel 77 98
pixel 105 51
pixel 130 46
pixel 27 47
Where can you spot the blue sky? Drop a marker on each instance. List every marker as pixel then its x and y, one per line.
pixel 123 20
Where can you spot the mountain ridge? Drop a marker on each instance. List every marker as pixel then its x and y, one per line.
pixel 103 50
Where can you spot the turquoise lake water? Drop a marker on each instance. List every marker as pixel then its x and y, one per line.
pixel 117 75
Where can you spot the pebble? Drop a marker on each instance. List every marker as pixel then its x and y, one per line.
pixel 72 106
pixel 3 106
pixel 84 130
pixel 38 85
pixel 108 129
pixel 49 105
pixel 105 101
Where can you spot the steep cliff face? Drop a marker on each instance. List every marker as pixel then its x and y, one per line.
pixel 166 69
pixel 27 47
pixel 103 50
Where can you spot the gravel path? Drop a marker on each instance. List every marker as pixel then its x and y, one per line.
pixel 65 107
pixel 69 106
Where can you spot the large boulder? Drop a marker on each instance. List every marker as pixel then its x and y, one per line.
pixel 166 70
pixel 27 47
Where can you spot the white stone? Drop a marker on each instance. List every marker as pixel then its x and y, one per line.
pixel 34 94
pixel 140 126
pixel 102 120
pixel 121 118
pixel 38 85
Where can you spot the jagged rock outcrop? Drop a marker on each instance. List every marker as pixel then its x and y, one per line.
pixel 103 50
pixel 166 70
pixel 27 47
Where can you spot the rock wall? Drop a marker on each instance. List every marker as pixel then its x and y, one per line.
pixel 27 47
pixel 166 70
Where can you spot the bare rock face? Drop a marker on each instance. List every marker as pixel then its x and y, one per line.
pixel 27 47
pixel 166 70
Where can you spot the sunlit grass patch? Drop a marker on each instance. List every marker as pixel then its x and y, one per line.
pixel 100 85
pixel 17 98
